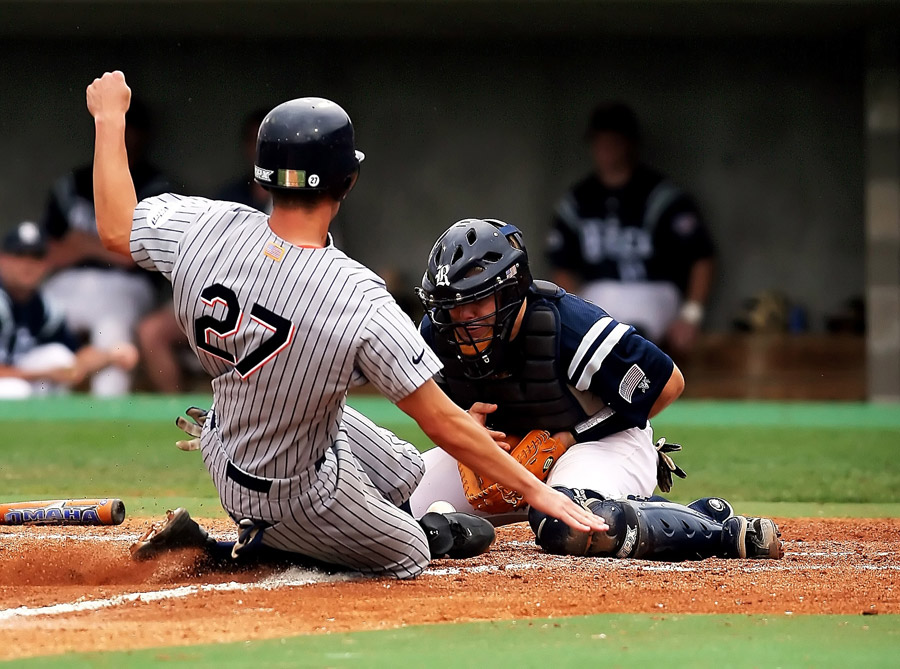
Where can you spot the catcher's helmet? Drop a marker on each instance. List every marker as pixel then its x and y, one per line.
pixel 475 259
pixel 307 144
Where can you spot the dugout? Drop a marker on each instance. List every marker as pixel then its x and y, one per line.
pixel 780 117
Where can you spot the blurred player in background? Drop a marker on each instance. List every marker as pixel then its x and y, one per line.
pixel 244 189
pixel 629 240
pixel 102 295
pixel 164 347
pixel 38 354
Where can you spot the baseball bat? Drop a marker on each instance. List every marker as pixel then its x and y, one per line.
pixel 63 512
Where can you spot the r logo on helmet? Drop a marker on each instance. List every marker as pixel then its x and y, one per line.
pixel 443 276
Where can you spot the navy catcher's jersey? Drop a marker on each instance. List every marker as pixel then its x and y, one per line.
pixel 605 363
pixel 26 325
pixel 648 230
pixel 283 330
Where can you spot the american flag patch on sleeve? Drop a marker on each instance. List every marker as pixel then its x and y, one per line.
pixel 631 381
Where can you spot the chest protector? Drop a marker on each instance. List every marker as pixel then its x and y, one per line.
pixel 534 392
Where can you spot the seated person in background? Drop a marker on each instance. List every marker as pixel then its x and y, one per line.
pixel 523 355
pixel 627 239
pixel 244 189
pixel 101 294
pixel 163 343
pixel 37 352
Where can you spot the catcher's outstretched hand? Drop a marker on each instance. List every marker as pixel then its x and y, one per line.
pixel 555 504
pixel 479 412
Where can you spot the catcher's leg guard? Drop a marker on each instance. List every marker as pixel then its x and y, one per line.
pixel 650 530
pixel 554 536
pixel 457 535
pixel 713 507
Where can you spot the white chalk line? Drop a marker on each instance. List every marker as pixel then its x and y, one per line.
pixel 294 577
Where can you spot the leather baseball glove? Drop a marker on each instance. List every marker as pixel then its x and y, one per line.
pixel 537 452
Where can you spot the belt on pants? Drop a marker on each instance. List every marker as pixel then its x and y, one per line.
pixel 249 481
pixel 252 482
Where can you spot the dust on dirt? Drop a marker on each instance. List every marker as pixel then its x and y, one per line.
pixel 59 585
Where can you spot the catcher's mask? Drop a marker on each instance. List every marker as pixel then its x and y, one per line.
pixel 473 260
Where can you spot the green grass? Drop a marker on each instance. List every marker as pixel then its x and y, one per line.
pixel 594 641
pixel 59 459
pixel 779 459
pixel 764 458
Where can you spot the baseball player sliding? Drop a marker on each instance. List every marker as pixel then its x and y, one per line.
pixel 530 360
pixel 285 324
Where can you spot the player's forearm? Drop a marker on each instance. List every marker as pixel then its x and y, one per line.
pixel 114 194
pixel 10 372
pixel 700 282
pixel 89 360
pixel 470 444
pixel 464 439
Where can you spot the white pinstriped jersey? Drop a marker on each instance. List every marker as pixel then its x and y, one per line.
pixel 283 330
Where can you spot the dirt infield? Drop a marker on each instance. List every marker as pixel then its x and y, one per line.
pixel 76 589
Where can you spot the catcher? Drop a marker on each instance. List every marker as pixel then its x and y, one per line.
pixel 569 392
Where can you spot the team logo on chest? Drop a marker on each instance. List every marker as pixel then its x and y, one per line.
pixel 442 278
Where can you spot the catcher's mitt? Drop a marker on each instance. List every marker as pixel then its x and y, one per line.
pixel 536 452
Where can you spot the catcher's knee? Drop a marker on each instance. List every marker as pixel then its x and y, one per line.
pixel 554 536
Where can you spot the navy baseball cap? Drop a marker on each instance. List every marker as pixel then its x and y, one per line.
pixel 26 239
pixel 614 117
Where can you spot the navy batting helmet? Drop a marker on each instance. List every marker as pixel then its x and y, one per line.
pixel 473 260
pixel 307 144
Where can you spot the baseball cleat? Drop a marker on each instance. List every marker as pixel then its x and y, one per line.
pixel 177 531
pixel 457 535
pixel 756 538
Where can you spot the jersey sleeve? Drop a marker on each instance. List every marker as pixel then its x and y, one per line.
pixel 54 221
pixel 393 356
pixel 54 328
pixel 426 329
pixel 685 231
pixel 562 244
pixel 612 361
pixel 158 226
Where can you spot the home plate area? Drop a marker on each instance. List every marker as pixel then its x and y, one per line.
pixel 67 588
